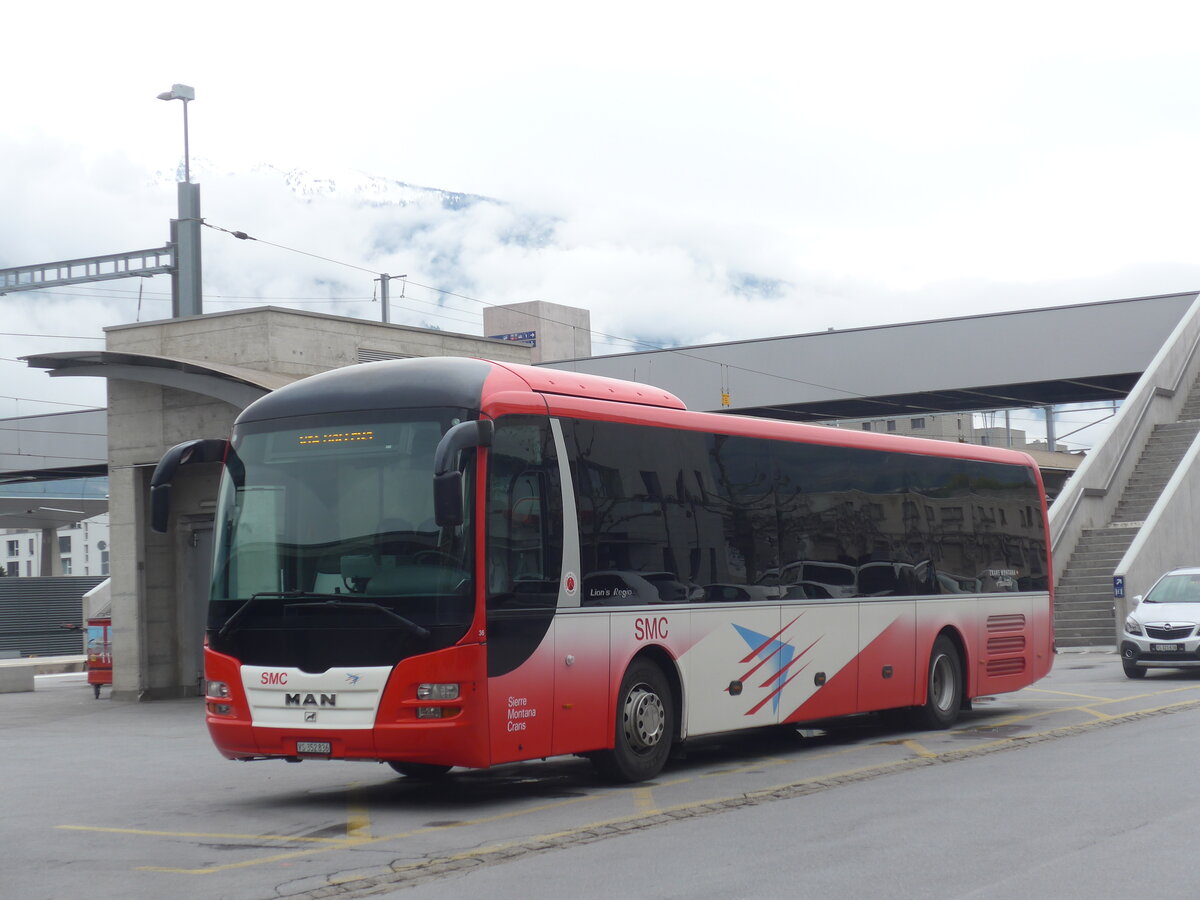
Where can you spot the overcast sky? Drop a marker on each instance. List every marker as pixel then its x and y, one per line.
pixel 696 171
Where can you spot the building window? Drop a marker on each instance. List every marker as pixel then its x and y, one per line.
pixel 103 562
pixel 891 425
pixel 66 565
pixel 917 424
pixel 64 544
pixel 14 548
pixel 866 426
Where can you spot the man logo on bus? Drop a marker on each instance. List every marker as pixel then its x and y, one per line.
pixel 310 700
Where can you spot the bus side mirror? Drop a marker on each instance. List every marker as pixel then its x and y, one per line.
pixel 187 453
pixel 447 479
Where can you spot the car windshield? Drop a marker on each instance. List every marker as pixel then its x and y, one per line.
pixel 1176 589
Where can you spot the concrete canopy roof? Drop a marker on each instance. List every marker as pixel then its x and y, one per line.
pixel 32 514
pixel 233 384
pixel 1057 355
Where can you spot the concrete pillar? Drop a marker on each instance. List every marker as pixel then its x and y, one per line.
pixel 50 562
pixel 127 487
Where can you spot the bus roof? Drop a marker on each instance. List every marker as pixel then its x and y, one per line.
pixel 546 380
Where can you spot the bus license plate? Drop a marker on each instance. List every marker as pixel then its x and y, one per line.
pixel 314 748
pixel 1165 648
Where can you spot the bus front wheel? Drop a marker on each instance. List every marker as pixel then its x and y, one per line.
pixel 645 726
pixel 943 686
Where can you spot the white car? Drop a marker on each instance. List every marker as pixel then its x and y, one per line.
pixel 1163 630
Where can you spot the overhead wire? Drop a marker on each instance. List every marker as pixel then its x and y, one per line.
pixel 610 339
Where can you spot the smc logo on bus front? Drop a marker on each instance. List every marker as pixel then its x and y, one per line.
pixel 650 629
pixel 273 678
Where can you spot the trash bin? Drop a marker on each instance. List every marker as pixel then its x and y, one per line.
pixel 99 653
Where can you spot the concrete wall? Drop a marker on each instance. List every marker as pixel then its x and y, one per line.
pixel 159 581
pixel 1091 496
pixel 560 332
pixel 1169 538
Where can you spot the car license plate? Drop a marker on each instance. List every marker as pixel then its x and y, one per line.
pixel 1165 648
pixel 314 748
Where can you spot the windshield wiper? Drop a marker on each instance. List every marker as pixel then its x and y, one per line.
pixel 327 600
pixel 338 601
pixel 241 610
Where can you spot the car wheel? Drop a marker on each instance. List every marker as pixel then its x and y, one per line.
pixel 1132 669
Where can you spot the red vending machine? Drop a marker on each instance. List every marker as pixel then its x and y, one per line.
pixel 99 653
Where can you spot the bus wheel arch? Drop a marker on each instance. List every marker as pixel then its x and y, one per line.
pixel 646 720
pixel 946 682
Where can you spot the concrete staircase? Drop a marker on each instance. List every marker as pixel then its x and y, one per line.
pixel 1084 614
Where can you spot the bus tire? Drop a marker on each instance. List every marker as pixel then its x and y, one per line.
pixel 943 686
pixel 645 726
pixel 420 771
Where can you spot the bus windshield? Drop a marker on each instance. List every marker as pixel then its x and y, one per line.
pixel 327 552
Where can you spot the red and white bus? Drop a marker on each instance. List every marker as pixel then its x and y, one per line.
pixel 453 562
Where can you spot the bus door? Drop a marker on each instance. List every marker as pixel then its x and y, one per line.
pixel 582 681
pixel 522 569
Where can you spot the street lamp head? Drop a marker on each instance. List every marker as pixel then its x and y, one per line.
pixel 179 92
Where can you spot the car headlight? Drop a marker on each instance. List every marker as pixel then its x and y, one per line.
pixel 1133 626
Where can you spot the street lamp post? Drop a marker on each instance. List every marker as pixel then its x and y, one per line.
pixel 186 298
pixel 185 93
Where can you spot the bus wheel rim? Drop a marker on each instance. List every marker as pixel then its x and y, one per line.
pixel 644 718
pixel 942 683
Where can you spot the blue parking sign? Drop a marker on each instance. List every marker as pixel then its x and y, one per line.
pixel 1119 587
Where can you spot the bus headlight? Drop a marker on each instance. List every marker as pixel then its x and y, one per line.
pixel 218 689
pixel 437 691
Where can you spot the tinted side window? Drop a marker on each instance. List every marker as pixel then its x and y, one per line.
pixel 638 490
pixel 524 514
pixel 669 516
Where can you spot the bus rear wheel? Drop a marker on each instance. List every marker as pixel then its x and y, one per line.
pixel 645 726
pixel 420 771
pixel 943 686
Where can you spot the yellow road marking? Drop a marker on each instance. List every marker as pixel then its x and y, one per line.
pixel 643 800
pixel 204 835
pixel 1066 694
pixel 358 822
pixel 345 843
pixel 358 817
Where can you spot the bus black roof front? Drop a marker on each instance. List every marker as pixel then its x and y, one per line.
pixel 439 381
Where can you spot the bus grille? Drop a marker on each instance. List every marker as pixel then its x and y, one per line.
pixel 1012 666
pixel 1011 643
pixel 1014 622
